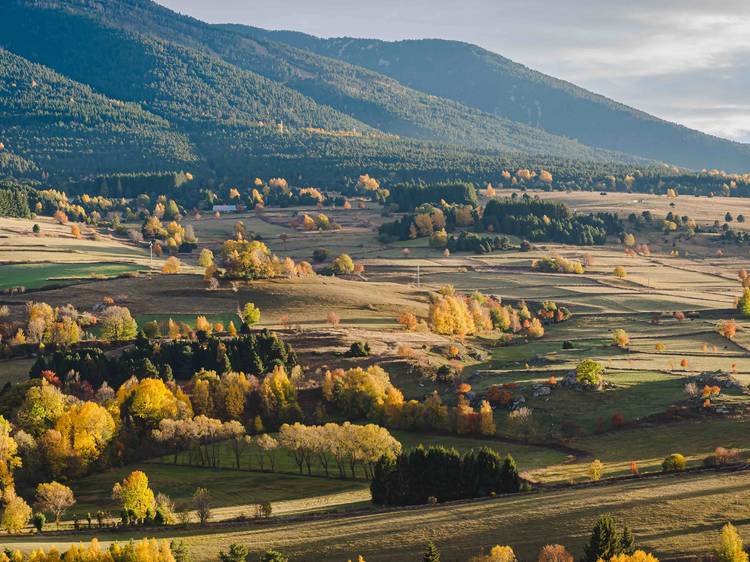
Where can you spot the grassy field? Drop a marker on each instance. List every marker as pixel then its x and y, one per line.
pixel 35 275
pixel 232 492
pixel 670 515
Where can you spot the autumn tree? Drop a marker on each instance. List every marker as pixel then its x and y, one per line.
pixel 343 265
pixel 171 266
pixel 206 258
pixel 9 457
pixel 16 514
pixel 554 553
pixel 596 468
pixel 202 503
pixel 54 498
pixel 589 372
pixel 117 324
pixel 486 419
pixel 727 328
pixel 620 338
pixel 431 553
pixel 620 272
pixel 743 304
pixel 731 548
pixel 135 495
pixel 496 554
pixel 250 314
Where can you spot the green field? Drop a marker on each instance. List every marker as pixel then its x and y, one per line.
pixel 232 492
pixel 36 275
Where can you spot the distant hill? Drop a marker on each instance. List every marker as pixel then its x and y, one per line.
pixel 185 70
pixel 487 81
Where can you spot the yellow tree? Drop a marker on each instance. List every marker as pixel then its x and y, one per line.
pixel 149 401
pixel 486 419
pixel 85 429
pixel 9 458
pixel 134 494
pixel 17 512
pixel 730 547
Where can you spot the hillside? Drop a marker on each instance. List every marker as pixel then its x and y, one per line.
pixel 50 122
pixel 484 80
pixel 189 71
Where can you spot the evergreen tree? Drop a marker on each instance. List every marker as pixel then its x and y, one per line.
pixel 509 475
pixel 237 553
pixel 431 553
pixel 627 541
pixel 605 541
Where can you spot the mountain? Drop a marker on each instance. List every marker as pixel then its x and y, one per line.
pixel 494 84
pixel 203 77
pixel 50 121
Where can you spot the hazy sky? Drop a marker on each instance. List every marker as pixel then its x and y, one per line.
pixel 683 60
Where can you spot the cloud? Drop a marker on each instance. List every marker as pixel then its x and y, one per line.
pixel 682 60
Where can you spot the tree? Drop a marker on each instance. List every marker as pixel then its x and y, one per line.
pixel 43 405
pixel 81 434
pixel 273 556
pixel 620 338
pixel 727 328
pixel 595 470
pixel 743 305
pixel 171 266
pixel 54 498
pixel 554 553
pixel 135 495
pixel 237 553
pixel 486 419
pixel 180 551
pixel 620 272
pixel 17 512
pixel 117 324
pixel 589 372
pixel 497 554
pixel 206 258
pixel 731 548
pixel 674 463
pixel 343 265
pixel 605 541
pixel 431 553
pixel 250 314
pixel 202 500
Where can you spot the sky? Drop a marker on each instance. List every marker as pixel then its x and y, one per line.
pixel 683 60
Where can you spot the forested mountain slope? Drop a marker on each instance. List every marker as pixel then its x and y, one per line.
pixel 48 121
pixel 479 78
pixel 184 69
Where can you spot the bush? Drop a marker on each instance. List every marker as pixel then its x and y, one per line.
pixel 38 520
pixel 359 349
pixel 674 463
pixel 722 457
pixel 589 372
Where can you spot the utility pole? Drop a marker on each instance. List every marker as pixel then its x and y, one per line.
pixel 418 276
pixel 151 254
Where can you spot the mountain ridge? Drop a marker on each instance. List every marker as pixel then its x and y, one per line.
pixel 488 81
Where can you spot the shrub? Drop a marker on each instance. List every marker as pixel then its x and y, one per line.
pixel 674 463
pixel 359 349
pixel 722 457
pixel 590 372
pixel 730 548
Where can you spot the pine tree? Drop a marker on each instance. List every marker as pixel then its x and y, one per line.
pixel 431 553
pixel 509 475
pixel 605 541
pixel 627 541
